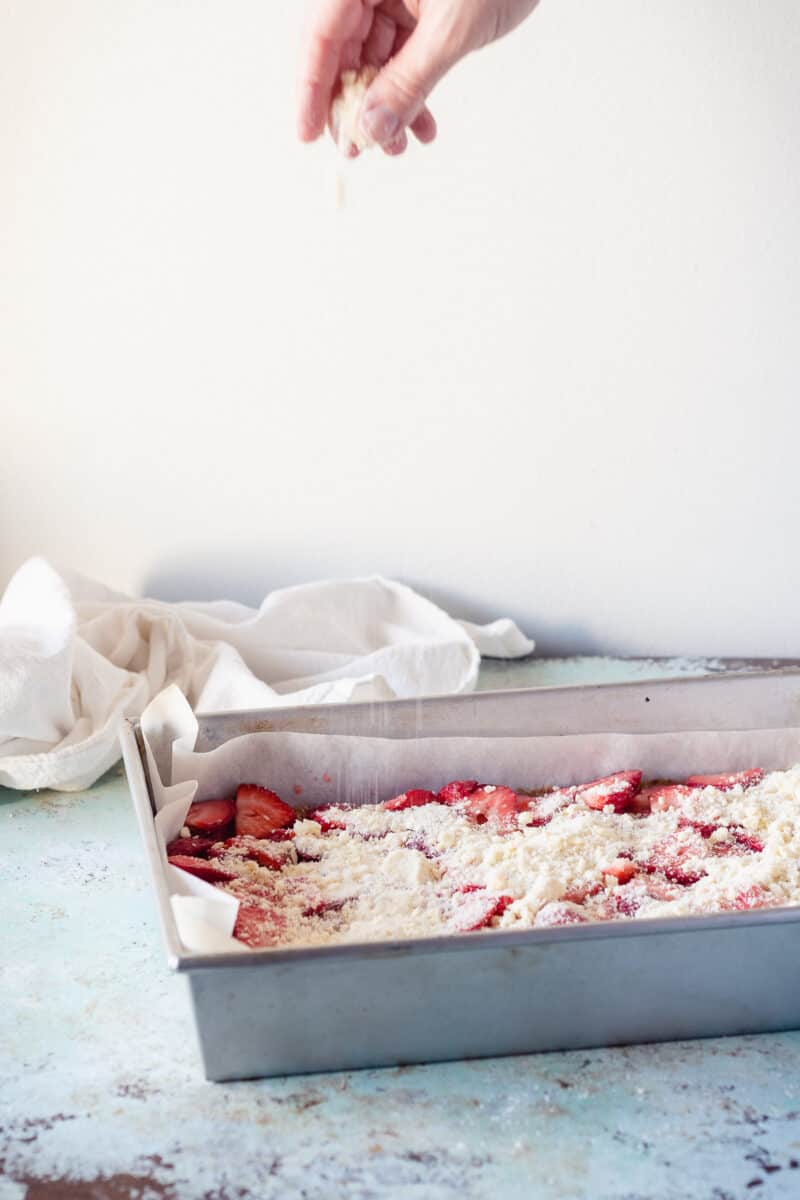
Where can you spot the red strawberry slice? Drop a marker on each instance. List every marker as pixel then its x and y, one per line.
pixel 627 900
pixel 260 812
pixel 201 868
pixel 619 790
pixel 303 857
pixel 258 927
pixel 477 913
pixel 752 897
pixel 414 798
pixel 739 836
pixel 621 869
pixel 666 796
pixel 320 815
pixel 745 839
pixel 670 857
pixel 319 908
pixel 210 816
pixel 543 808
pixel 682 875
pixel 557 912
pixel 416 841
pixel 459 789
pixel 581 892
pixel 245 847
pixel 704 828
pixel 724 783
pixel 490 803
pixel 195 847
pixel 658 888
pixel 280 835
pixel 641 803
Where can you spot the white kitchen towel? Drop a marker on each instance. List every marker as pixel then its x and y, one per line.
pixel 76 658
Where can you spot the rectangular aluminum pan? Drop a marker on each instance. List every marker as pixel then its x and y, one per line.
pixel 274 1012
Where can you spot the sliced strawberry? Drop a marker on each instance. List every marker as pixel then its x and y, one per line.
pixel 246 847
pixel 739 836
pixel 320 907
pixel 682 875
pixel 627 900
pixel 416 841
pixel 280 835
pixel 323 820
pixel 490 803
pixel 704 828
pixel 664 797
pixel 414 798
pixel 621 869
pixel 200 868
pixel 458 790
pixel 752 897
pixel 671 857
pixel 641 802
pixel 260 812
pixel 477 913
pixel 580 892
pixel 724 783
pixel 659 888
pixel 675 874
pixel 210 816
pixel 557 912
pixel 618 790
pixel 543 808
pixel 258 927
pixel 303 857
pixel 745 839
pixel 196 847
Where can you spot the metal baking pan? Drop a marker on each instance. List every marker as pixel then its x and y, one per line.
pixel 275 1012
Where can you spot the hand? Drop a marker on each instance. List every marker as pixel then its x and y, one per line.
pixel 412 42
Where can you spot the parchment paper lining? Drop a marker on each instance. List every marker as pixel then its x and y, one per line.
pixel 307 769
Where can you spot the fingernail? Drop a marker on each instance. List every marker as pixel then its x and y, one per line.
pixel 397 145
pixel 380 124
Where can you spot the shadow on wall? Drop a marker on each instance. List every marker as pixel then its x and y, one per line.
pixel 245 577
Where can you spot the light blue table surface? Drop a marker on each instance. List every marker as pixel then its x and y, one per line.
pixel 103 1098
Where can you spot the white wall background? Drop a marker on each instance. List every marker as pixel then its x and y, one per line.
pixel 547 367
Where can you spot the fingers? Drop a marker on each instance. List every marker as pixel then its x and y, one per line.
pixel 397 97
pixel 424 127
pixel 332 25
pixel 380 40
pixel 343 34
pixel 398 146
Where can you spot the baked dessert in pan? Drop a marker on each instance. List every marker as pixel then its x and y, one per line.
pixel 475 857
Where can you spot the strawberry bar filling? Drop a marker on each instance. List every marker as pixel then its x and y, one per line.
pixel 474 856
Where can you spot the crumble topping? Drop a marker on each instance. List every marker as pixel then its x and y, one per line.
pixel 475 857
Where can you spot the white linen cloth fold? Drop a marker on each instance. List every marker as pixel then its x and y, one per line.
pixel 76 658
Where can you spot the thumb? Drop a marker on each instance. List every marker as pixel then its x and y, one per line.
pixel 397 96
